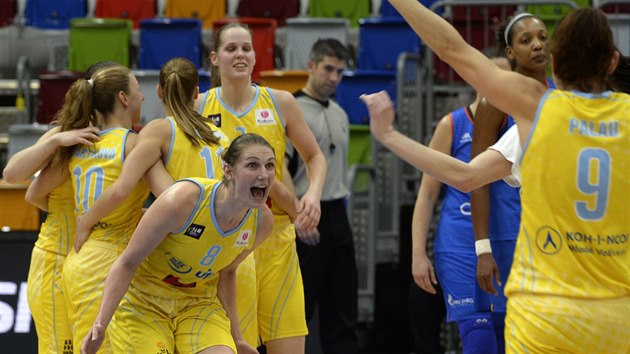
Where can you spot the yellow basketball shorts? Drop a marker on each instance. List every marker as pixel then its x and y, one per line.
pixel 247 300
pixel 84 275
pixel 551 324
pixel 281 312
pixel 145 323
pixel 47 302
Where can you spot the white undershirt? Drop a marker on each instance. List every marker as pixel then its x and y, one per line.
pixel 509 145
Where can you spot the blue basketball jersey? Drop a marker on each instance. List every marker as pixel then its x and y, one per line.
pixel 455 231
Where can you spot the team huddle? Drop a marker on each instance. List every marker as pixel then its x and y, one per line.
pixel 211 266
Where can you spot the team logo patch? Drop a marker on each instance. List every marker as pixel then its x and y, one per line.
pixel 215 119
pixel 195 231
pixel 243 238
pixel 465 138
pixel 264 117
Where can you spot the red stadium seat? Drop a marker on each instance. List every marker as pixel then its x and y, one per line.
pixel 131 10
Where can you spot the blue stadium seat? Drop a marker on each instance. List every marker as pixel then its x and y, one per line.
pixel 381 40
pixel 204 81
pixel 162 39
pixel 53 14
pixel 355 83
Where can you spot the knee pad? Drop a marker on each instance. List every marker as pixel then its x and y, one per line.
pixel 478 335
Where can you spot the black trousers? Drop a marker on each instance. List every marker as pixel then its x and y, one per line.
pixel 426 314
pixel 329 273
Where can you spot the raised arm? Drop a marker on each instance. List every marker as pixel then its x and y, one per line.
pixel 226 287
pixel 421 267
pixel 146 152
pixel 302 138
pixel 487 167
pixel 168 213
pixel 25 163
pixel 510 92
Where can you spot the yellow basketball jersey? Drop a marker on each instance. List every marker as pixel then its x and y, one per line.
pixel 575 221
pixel 186 160
pixel 93 169
pixel 57 232
pixel 186 263
pixel 262 117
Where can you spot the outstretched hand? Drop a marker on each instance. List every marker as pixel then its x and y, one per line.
pixel 381 110
pixel 424 274
pixel 93 340
pixel 487 270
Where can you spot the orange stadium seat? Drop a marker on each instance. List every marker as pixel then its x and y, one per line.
pixel 205 10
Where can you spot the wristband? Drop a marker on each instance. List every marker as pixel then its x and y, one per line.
pixel 482 246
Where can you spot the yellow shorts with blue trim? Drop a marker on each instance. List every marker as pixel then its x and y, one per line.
pixel 247 300
pixel 145 323
pixel 280 289
pixel 47 302
pixel 84 275
pixel 551 324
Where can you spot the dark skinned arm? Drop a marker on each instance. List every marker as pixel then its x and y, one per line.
pixel 488 122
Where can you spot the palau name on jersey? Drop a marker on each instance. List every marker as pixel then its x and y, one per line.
pixel 590 128
pixel 86 153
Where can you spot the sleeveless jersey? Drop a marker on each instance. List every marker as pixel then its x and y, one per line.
pixel 57 232
pixel 455 231
pixel 185 263
pixel 261 117
pixel 573 240
pixel 186 160
pixel 94 169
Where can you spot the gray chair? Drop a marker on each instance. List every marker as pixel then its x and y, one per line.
pixel 303 32
pixel 152 105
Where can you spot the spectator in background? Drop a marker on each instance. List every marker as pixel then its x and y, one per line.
pixel 327 257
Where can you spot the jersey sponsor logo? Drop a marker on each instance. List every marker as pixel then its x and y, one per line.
pixel 174 281
pixel 177 265
pixel 465 138
pixel 215 119
pixel 595 243
pixel 460 302
pixel 243 238
pixel 548 240
pixel 195 231
pixel 204 275
pixel 265 117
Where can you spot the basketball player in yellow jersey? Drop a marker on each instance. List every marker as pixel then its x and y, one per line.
pixel 569 289
pixel 183 258
pixel 239 107
pixel 574 248
pixel 112 95
pixel 44 294
pixel 184 142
